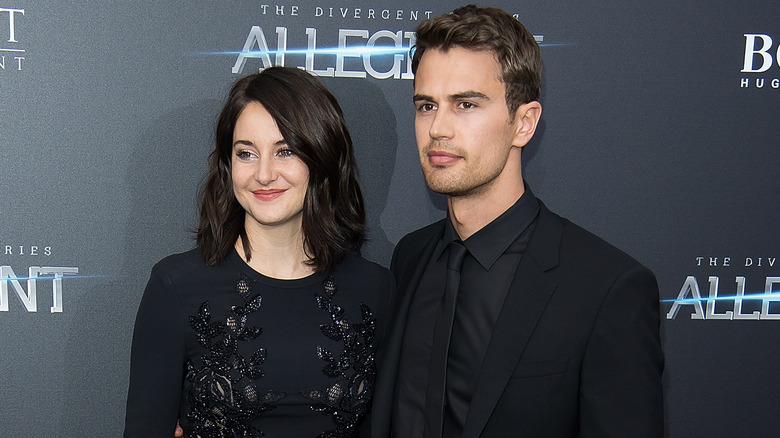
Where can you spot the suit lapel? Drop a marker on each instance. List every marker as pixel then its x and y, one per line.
pixel 410 264
pixel 526 300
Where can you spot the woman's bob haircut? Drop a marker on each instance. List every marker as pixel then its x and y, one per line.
pixel 312 123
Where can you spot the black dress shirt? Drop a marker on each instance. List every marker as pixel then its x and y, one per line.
pixel 490 263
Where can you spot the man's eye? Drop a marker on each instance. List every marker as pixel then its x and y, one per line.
pixel 426 107
pixel 467 105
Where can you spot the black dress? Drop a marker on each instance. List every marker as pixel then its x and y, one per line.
pixel 232 353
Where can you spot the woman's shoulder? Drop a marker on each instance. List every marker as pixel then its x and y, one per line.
pixel 180 264
pixel 182 259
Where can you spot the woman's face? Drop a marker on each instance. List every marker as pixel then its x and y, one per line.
pixel 269 180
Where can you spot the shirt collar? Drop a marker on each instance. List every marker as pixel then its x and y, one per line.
pixel 487 244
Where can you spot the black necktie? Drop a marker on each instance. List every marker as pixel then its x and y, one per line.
pixel 437 375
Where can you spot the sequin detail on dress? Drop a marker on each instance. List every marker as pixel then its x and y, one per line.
pixel 222 393
pixel 348 398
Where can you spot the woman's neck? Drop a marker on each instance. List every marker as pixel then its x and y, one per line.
pixel 276 252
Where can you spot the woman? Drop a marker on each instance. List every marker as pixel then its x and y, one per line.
pixel 270 325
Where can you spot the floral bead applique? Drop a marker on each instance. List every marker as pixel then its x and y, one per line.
pixel 222 393
pixel 348 398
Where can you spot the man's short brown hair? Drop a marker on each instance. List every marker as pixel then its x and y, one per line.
pixel 474 28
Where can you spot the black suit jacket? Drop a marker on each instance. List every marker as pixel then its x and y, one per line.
pixel 575 352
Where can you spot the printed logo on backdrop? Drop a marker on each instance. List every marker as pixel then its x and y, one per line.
pixel 761 63
pixel 25 275
pixel 11 50
pixel 731 288
pixel 323 50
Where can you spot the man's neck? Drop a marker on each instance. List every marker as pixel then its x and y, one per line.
pixel 471 213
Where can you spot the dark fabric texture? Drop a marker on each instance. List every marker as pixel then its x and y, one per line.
pixel 493 255
pixel 575 351
pixel 230 352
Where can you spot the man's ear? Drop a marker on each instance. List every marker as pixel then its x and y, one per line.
pixel 526 120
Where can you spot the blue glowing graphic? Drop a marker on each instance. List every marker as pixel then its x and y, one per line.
pixel 771 296
pixel 556 44
pixel 52 277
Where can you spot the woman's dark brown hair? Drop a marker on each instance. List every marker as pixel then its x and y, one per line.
pixel 312 123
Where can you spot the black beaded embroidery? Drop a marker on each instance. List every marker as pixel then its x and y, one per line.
pixel 348 398
pixel 222 393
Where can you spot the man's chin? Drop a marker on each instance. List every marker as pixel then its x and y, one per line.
pixel 436 186
pixel 447 182
pixel 443 189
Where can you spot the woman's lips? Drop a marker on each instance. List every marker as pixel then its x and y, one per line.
pixel 268 195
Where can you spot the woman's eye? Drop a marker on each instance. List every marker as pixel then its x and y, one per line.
pixel 285 152
pixel 243 155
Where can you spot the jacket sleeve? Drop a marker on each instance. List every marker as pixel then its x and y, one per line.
pixel 621 391
pixel 156 362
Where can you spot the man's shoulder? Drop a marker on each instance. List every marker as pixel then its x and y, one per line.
pixel 579 245
pixel 411 247
pixel 420 237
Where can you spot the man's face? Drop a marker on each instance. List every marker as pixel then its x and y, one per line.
pixel 463 127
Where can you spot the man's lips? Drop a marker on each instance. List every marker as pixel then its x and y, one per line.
pixel 268 195
pixel 442 158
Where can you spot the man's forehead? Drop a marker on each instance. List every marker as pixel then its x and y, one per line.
pixel 458 71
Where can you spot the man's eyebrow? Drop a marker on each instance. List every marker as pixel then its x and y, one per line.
pixel 468 95
pixel 419 97
pixel 453 97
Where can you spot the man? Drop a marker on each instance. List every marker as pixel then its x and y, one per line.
pixel 554 332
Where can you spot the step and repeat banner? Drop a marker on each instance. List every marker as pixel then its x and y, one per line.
pixel 659 133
